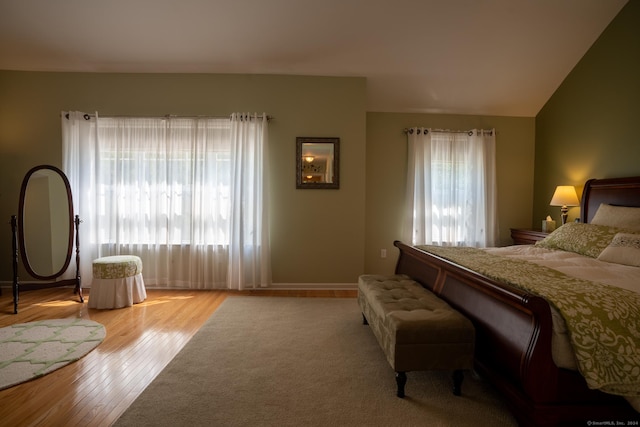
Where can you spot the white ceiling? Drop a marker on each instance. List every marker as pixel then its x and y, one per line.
pixel 488 57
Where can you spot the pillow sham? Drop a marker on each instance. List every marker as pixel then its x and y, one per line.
pixel 624 249
pixel 584 239
pixel 617 216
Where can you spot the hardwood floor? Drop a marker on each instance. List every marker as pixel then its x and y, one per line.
pixel 140 342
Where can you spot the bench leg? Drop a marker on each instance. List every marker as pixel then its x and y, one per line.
pixel 401 380
pixel 458 376
pixel 364 320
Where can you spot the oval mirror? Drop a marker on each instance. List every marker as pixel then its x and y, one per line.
pixel 45 222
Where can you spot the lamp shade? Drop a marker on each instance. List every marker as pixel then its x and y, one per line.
pixel 565 195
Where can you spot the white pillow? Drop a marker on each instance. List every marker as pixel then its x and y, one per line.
pixel 623 249
pixel 617 216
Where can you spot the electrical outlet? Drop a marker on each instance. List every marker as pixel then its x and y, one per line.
pixel 383 253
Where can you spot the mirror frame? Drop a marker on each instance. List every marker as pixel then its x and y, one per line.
pixel 335 184
pixel 21 234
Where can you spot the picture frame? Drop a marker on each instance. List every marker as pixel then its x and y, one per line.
pixel 317 163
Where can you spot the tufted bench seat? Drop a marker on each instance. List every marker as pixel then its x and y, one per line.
pixel 117 282
pixel 416 329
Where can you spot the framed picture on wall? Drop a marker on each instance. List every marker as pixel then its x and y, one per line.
pixel 317 163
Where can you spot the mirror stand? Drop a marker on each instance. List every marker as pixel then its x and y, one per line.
pixel 43 232
pixel 17 286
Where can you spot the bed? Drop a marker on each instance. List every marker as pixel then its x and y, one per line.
pixel 519 347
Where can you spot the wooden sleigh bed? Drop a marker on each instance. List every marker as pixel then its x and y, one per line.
pixel 514 330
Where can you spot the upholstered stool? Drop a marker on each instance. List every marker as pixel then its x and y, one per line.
pixel 117 282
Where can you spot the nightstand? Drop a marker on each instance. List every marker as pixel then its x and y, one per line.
pixel 527 236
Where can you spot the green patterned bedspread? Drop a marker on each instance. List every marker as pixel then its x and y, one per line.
pixel 603 321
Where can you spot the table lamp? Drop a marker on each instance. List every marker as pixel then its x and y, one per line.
pixel 565 195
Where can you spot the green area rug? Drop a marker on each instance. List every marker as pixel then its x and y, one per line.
pixel 31 350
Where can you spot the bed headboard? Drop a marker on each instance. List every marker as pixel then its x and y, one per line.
pixel 613 191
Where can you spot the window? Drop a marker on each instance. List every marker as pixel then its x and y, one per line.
pixel 187 195
pixel 162 181
pixel 451 188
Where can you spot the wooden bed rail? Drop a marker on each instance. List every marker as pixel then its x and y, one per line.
pixel 511 324
pixel 513 341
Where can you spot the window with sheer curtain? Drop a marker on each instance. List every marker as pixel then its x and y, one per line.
pixel 451 189
pixel 187 195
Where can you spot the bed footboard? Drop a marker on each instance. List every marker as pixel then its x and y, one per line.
pixel 513 344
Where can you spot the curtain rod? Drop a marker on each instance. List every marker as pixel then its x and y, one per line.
pixel 469 132
pixel 166 116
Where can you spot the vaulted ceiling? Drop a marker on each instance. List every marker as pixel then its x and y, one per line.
pixel 489 57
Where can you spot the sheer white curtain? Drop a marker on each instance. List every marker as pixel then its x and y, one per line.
pixel 451 188
pixel 79 138
pixel 187 195
pixel 249 253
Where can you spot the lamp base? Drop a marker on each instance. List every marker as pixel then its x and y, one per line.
pixel 564 214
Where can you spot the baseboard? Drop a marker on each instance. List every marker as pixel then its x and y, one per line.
pixel 274 286
pixel 313 286
pixel 285 286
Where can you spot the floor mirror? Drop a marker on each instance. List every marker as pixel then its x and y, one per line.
pixel 43 233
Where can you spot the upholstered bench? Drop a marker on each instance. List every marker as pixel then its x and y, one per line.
pixel 117 282
pixel 416 329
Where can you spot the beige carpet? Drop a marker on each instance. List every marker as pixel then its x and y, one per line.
pixel 271 361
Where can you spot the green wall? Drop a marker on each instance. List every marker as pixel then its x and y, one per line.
pixel 387 166
pixel 317 236
pixel 589 127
